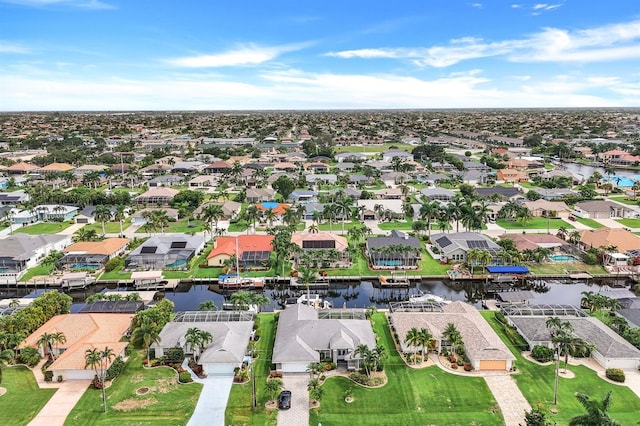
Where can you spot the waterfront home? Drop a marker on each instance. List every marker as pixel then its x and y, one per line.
pixel 610 349
pixel 619 238
pixel 511 176
pixel 252 251
pixel 83 332
pixel 454 246
pixel 165 251
pixel 534 241
pixel 230 332
pixel 306 335
pixel 19 252
pixel 397 251
pixel 93 254
pixel 482 345
pixel 332 248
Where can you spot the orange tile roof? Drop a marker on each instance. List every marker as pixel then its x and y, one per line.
pixel 22 167
pixel 57 167
pixel 277 210
pixel 83 331
pixel 603 237
pixel 227 245
pixel 107 246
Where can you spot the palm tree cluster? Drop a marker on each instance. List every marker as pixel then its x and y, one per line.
pixel 473 215
pixel 596 412
pixel 477 257
pixel 99 361
pixel 197 339
pixel 565 342
pixel 515 212
pixel 370 359
pixel 211 215
pixel 453 336
pixel 156 219
pixel 598 301
pixel 243 299
pixel 6 356
pixel 49 340
pixel 421 338
pixel 539 254
pixel 389 255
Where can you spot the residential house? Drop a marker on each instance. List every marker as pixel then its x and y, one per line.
pixel 619 238
pixel 534 241
pixel 155 170
pixel 317 167
pixel 439 194
pixel 45 212
pixel 256 195
pixel 394 153
pixel 55 168
pixel 393 206
pixel 14 198
pixel 218 167
pixel 252 251
pixel 165 252
pixel 230 209
pixel 619 158
pixel 454 246
pixel 356 157
pixel 21 168
pixel 93 254
pixel 158 196
pixel 139 218
pixel 345 167
pixel 203 182
pixel 388 194
pixel 165 180
pixel 322 179
pixel 610 350
pixel 230 331
pixel 333 247
pixel 551 194
pixel 360 179
pixel 599 209
pixel 501 192
pixel 482 346
pixel 19 252
pixel 397 251
pixel 186 167
pixel 544 208
pixel 511 176
pixel 285 166
pixel 83 332
pixel 303 195
pixel 305 336
pixel 475 177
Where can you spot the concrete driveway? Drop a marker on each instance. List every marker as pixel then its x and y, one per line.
pixel 213 401
pixel 298 414
pixel 61 403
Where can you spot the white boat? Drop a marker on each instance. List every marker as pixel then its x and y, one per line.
pixel 314 300
pixel 427 297
pixel 236 281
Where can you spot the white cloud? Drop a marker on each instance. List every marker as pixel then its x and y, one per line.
pixel 476 5
pixel 244 55
pixel 545 6
pixel 606 43
pixel 7 47
pixel 516 6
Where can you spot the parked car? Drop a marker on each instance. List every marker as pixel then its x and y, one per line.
pixel 572 218
pixel 284 400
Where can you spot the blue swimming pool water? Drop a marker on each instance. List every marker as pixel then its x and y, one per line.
pixel 563 258
pixel 270 204
pixel 85 266
pixel 177 263
pixel 389 262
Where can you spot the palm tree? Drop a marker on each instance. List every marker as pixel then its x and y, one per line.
pixel 241 299
pixel 363 351
pixel 84 234
pixel 205 338
pixel 145 335
pixel 273 388
pixel 596 412
pixel 428 210
pixel 425 339
pixel 46 341
pixel 119 215
pixel 58 338
pixel 102 214
pixel 92 359
pixel 211 214
pixel 6 356
pixel 413 339
pixel 192 340
pixel 306 276
pixel 251 215
pixel 208 305
pixel 452 335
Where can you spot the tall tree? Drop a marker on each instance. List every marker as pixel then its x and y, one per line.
pixel 596 412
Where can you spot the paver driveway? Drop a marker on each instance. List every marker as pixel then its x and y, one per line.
pixel 61 403
pixel 298 414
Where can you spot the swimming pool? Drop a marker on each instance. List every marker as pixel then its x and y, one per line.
pixel 91 266
pixel 177 263
pixel 389 262
pixel 563 258
pixel 269 204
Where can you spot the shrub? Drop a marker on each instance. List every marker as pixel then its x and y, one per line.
pixel 454 366
pixel 48 376
pixel 175 354
pixel 615 374
pixel 468 367
pixel 116 368
pixel 29 356
pixel 500 317
pixel 363 379
pixel 185 377
pixel 275 375
pixel 542 353
pixel 113 264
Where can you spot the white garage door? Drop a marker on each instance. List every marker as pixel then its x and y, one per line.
pixel 294 367
pixel 74 374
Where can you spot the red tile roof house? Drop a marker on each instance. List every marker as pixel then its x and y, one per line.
pixel 253 251
pixel 619 157
pixel 82 332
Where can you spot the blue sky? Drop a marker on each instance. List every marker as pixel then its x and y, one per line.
pixel 213 55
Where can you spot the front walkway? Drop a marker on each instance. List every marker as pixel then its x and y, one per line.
pixel 511 401
pixel 212 402
pixel 55 412
pixel 298 414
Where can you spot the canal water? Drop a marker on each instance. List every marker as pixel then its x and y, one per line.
pixel 350 295
pixel 586 171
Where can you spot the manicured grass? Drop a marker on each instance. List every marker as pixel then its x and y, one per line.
pixel 430 266
pixel 536 384
pixel 109 227
pixel 42 228
pixel 397 225
pixel 560 267
pixel 630 223
pixel 337 226
pixel 182 226
pixel 590 222
pixel 426 396
pixel 238 226
pixel 24 399
pixel 173 402
pixel 37 271
pixel 239 407
pixel 360 268
pixel 535 223
pixel 115 275
pixel 625 200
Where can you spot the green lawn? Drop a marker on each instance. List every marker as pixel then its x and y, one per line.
pixel 24 399
pixel 43 228
pixel 535 223
pixel 337 226
pixel 239 407
pixel 360 267
pixel 397 225
pixel 239 226
pixel 536 383
pixel 374 148
pixel 115 275
pixel 170 403
pixel 630 223
pixel 37 271
pixel 183 226
pixel 560 267
pixel 625 200
pixel 109 227
pixel 590 222
pixel 426 396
